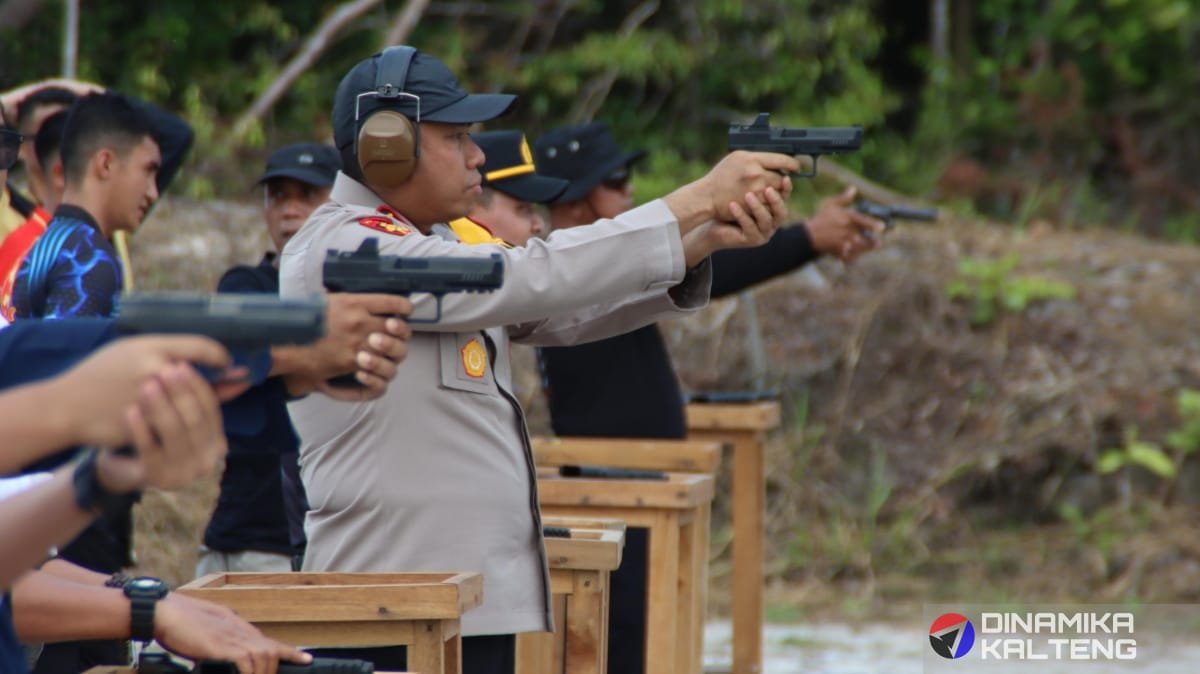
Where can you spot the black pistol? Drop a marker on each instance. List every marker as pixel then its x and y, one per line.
pixel 366 271
pixel 889 213
pixel 809 142
pixel 605 473
pixel 248 321
pixel 160 663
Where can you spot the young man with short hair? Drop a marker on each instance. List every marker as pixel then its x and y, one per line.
pixel 507 209
pixel 110 161
pixel 258 521
pixel 40 110
pixel 438 473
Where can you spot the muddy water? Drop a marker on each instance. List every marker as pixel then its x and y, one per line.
pixel 874 648
pixel 828 648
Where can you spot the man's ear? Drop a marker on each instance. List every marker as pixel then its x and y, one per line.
pixel 57 177
pixel 103 163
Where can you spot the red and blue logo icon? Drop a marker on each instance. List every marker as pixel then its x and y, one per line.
pixel 951 636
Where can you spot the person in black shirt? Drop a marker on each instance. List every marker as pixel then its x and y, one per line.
pixel 258 523
pixel 625 386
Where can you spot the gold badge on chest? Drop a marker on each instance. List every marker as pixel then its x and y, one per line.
pixel 474 358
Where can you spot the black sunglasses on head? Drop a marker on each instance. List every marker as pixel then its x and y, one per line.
pixel 617 180
pixel 10 145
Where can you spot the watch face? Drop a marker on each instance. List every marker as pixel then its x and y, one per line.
pixel 146 587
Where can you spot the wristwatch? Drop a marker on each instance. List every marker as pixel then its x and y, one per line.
pixel 143 592
pixel 90 495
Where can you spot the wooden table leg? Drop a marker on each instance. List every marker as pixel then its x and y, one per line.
pixel 452 651
pixel 585 625
pixel 685 617
pixel 427 654
pixel 749 504
pixel 700 590
pixel 663 583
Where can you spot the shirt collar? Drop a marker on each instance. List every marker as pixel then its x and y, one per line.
pixel 76 213
pixel 347 190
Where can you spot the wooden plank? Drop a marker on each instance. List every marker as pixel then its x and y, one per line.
pixel 586 549
pixel 679 491
pixel 583 522
pixel 255 578
pixel 679 456
pixel 339 634
pixel 759 416
pixel 686 611
pixel 427 652
pixel 700 587
pixel 662 600
pixel 749 506
pixel 451 648
pixel 586 623
pixel 318 598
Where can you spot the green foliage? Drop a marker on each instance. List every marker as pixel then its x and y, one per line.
pixel 991 287
pixel 1076 111
pixel 1136 452
pixel 1186 438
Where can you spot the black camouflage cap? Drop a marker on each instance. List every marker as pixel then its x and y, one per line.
pixel 310 163
pixel 584 154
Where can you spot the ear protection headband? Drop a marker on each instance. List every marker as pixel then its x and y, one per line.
pixel 389 143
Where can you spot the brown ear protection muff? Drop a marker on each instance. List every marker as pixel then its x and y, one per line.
pixel 388 142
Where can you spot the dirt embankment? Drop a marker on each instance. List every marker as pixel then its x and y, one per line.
pixel 921 455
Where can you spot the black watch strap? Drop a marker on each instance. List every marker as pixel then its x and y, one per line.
pixel 141 618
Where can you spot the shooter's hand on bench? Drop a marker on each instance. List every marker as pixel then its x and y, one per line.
pixel 201 630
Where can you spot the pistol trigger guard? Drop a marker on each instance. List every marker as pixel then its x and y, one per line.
pixel 437 297
pixel 812 173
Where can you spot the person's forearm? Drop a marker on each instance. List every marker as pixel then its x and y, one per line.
pixel 36 520
pixel 691 208
pixel 35 425
pixel 75 573
pixel 48 608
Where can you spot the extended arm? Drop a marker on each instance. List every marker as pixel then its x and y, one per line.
pixel 736 270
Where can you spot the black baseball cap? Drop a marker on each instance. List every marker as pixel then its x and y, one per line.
pixel 441 98
pixel 509 168
pixel 310 163
pixel 583 154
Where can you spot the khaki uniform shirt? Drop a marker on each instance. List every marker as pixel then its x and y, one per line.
pixel 437 474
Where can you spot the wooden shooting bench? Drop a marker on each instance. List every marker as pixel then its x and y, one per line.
pixel 344 610
pixel 120 669
pixel 744 427
pixel 675 512
pixel 676 456
pixel 579 569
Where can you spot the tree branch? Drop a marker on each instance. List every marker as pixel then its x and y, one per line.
pixel 408 19
pixel 596 91
pixel 317 43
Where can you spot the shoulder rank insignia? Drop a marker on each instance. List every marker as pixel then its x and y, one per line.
pixel 385 225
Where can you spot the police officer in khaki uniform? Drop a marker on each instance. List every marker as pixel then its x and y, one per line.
pixel 437 474
pixel 507 210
